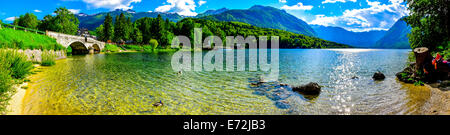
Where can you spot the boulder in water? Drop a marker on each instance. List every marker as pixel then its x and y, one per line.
pixel 308 89
pixel 378 76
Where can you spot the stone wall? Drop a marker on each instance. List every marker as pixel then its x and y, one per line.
pixel 35 55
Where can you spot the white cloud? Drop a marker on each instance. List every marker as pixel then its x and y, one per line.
pixel 334 1
pixel 201 2
pixel 372 18
pixel 112 4
pixel 282 1
pixel 298 6
pixel 182 7
pixel 11 18
pixel 74 11
pixel 37 11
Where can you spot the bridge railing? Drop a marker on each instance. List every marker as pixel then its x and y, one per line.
pixel 15 27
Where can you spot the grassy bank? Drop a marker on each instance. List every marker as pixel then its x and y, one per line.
pixel 138 48
pixel 14 67
pixel 17 39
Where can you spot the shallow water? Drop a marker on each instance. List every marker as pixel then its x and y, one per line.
pixel 129 83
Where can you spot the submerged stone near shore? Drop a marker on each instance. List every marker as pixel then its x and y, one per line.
pixel 378 76
pixel 308 89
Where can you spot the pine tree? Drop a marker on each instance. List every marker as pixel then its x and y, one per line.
pixel 108 29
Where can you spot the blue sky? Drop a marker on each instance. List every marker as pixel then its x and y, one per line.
pixel 354 15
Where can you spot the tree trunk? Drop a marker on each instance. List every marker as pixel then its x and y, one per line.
pixel 422 57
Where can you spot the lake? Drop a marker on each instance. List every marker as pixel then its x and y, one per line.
pixel 129 83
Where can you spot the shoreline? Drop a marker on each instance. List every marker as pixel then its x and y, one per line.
pixel 15 103
pixel 437 104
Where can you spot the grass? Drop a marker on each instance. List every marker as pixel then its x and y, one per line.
pixel 14 66
pixel 48 58
pixel 17 39
pixel 134 47
pixel 111 48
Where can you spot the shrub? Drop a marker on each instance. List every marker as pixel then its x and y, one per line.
pixel 153 43
pixel 5 75
pixel 17 63
pixel 48 58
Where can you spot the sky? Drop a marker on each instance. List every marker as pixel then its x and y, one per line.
pixel 353 15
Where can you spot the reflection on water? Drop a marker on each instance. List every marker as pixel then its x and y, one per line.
pixel 129 83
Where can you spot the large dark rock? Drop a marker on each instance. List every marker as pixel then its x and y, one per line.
pixel 308 89
pixel 378 76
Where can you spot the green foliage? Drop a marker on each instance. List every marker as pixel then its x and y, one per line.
pixel 108 30
pixel 111 48
pixel 153 43
pixel 164 32
pixel 48 58
pixel 419 83
pixel 69 50
pixel 222 29
pixel 122 28
pixel 17 39
pixel 29 20
pixel 64 22
pixel 134 47
pixel 5 73
pixel 137 36
pixel 429 21
pixel 16 62
pixel 99 32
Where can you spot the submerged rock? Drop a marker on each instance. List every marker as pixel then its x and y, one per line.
pixel 308 89
pixel 378 76
pixel 283 104
pixel 355 77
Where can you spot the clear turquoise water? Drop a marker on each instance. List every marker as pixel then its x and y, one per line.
pixel 129 83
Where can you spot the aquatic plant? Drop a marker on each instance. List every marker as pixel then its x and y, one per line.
pixel 48 58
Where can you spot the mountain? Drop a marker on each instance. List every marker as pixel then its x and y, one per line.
pixel 396 37
pixel 356 39
pixel 212 12
pixel 266 17
pixel 93 21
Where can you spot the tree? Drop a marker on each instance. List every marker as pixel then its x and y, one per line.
pixel 429 21
pixel 108 30
pixel 29 20
pixel 45 24
pixel 99 30
pixel 64 22
pixel 137 36
pixel 120 28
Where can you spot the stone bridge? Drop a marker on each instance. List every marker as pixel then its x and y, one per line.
pixel 79 45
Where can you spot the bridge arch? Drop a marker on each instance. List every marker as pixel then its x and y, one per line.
pixel 78 47
pixel 96 48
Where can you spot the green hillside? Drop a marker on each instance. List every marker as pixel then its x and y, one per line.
pixel 93 21
pixel 266 17
pixel 287 39
pixel 396 37
pixel 10 38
